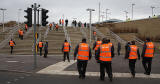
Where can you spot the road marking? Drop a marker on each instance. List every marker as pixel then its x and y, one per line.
pixel 58 69
pixel 12 61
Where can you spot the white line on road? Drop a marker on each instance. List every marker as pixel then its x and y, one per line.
pixel 58 69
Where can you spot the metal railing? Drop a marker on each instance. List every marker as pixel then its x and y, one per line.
pixel 8 37
pixel 67 35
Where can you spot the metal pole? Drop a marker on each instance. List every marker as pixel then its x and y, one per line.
pixel 152 10
pixel 19 14
pixel 3 20
pixel 35 54
pixel 132 10
pixel 99 12
pixel 107 13
pixel 90 26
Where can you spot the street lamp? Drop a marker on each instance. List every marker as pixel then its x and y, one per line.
pixel 107 13
pixel 126 15
pixel 19 14
pixel 3 16
pixel 132 10
pixel 152 7
pixel 90 11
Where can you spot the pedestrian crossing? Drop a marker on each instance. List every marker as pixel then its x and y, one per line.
pixel 58 69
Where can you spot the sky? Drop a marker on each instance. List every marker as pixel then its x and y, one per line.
pixel 77 9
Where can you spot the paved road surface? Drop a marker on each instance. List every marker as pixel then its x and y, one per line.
pixel 21 78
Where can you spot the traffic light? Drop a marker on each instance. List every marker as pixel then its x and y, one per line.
pixel 44 17
pixel 28 17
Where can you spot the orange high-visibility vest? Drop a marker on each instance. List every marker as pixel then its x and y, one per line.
pixel 83 51
pixel 149 49
pixel 62 21
pixel 40 44
pixel 133 52
pixel 94 33
pixel 98 43
pixel 66 47
pixel 21 32
pixel 110 44
pixel 50 25
pixel 105 53
pixel 11 43
pixel 57 26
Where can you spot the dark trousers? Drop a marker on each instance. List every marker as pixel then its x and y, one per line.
pixel 147 62
pixel 132 66
pixel 66 54
pixel 108 67
pixel 21 37
pixel 45 53
pixel 82 65
pixel 40 51
pixel 56 29
pixel 11 49
pixel 118 51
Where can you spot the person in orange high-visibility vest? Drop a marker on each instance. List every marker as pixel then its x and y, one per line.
pixel 11 44
pixel 62 22
pixel 19 31
pixel 21 34
pixel 147 55
pixel 57 27
pixel 104 56
pixel 26 27
pixel 50 26
pixel 132 55
pixel 84 54
pixel 66 49
pixel 96 45
pixel 40 45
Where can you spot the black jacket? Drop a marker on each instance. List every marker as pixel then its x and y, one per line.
pixel 128 51
pixel 98 52
pixel 76 52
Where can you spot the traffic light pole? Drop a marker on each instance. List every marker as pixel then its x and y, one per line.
pixel 35 54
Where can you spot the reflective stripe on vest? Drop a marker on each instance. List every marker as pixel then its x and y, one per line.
pixel 66 47
pixel 149 49
pixel 98 43
pixel 83 51
pixel 105 53
pixel 40 44
pixel 11 43
pixel 133 52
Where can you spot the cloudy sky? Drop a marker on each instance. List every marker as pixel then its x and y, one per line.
pixel 77 8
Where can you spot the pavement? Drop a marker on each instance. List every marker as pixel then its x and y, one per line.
pixel 22 78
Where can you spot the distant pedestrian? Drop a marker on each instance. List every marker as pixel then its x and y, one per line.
pixel 84 54
pixel 60 22
pixel 132 54
pixel 126 48
pixel 66 22
pixel 57 27
pixel 96 45
pixel 40 45
pixel 45 50
pixel 147 55
pixel 66 50
pixel 85 24
pixel 11 44
pixel 26 27
pixel 119 48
